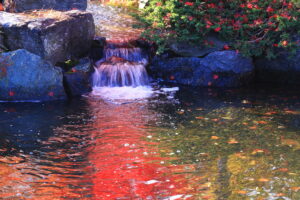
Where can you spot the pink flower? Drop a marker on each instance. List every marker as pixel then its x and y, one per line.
pixel 11 93
pixel 217 29
pixel 226 47
pixel 215 76
pixel 270 9
pixel 189 3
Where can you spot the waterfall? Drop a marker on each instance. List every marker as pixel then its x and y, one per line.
pixel 121 73
pixel 118 72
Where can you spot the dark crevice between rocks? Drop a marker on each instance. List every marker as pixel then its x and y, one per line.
pixel 3 41
pixel 67 89
pixel 97 47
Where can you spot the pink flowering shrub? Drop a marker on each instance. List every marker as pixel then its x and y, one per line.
pixel 253 27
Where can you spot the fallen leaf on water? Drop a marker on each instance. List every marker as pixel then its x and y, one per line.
pixel 180 112
pixel 283 169
pixel 280 195
pixel 263 180
pixel 271 113
pixel 262 122
pixel 240 155
pixel 256 151
pixel 252 127
pixel 241 192
pixel 292 112
pixel 232 141
pixel 214 137
pixel 215 119
pixel 199 117
pixel 290 142
pixel 296 189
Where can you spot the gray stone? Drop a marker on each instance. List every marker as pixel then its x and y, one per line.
pixel 78 79
pixel 55 36
pixel 285 69
pixel 186 49
pixel 25 77
pixel 26 5
pixel 218 69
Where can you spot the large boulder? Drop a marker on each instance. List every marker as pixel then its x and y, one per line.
pixel 285 69
pixel 218 69
pixel 25 77
pixel 186 49
pixel 25 5
pixel 78 79
pixel 55 36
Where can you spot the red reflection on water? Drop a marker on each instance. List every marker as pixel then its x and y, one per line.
pixel 121 163
pixel 127 166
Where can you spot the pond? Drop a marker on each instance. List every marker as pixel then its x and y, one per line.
pixel 191 144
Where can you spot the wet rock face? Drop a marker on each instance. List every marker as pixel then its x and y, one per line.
pixel 78 79
pixel 217 69
pixel 213 44
pixel 25 5
pixel 285 69
pixel 25 76
pixel 55 36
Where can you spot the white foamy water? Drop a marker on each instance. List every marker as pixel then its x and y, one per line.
pixel 123 93
pixel 132 93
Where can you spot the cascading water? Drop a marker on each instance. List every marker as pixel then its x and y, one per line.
pixel 121 74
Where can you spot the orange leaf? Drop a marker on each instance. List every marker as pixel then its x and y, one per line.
pixel 283 169
pixel 262 122
pixel 257 151
pixel 270 113
pixel 242 192
pixel 214 137
pixel 295 189
pixel 232 141
pixel 263 180
pixel 291 112
pixel 253 127
pixel 280 195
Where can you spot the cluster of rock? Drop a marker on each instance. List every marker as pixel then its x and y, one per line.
pixel 37 42
pixel 38 37
pixel 216 66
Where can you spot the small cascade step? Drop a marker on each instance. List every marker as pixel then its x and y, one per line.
pixel 135 54
pixel 121 66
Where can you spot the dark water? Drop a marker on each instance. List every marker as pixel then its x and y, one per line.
pixel 201 144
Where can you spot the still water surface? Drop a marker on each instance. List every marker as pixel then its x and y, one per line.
pixel 195 144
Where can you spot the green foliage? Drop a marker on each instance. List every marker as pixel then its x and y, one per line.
pixel 253 27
